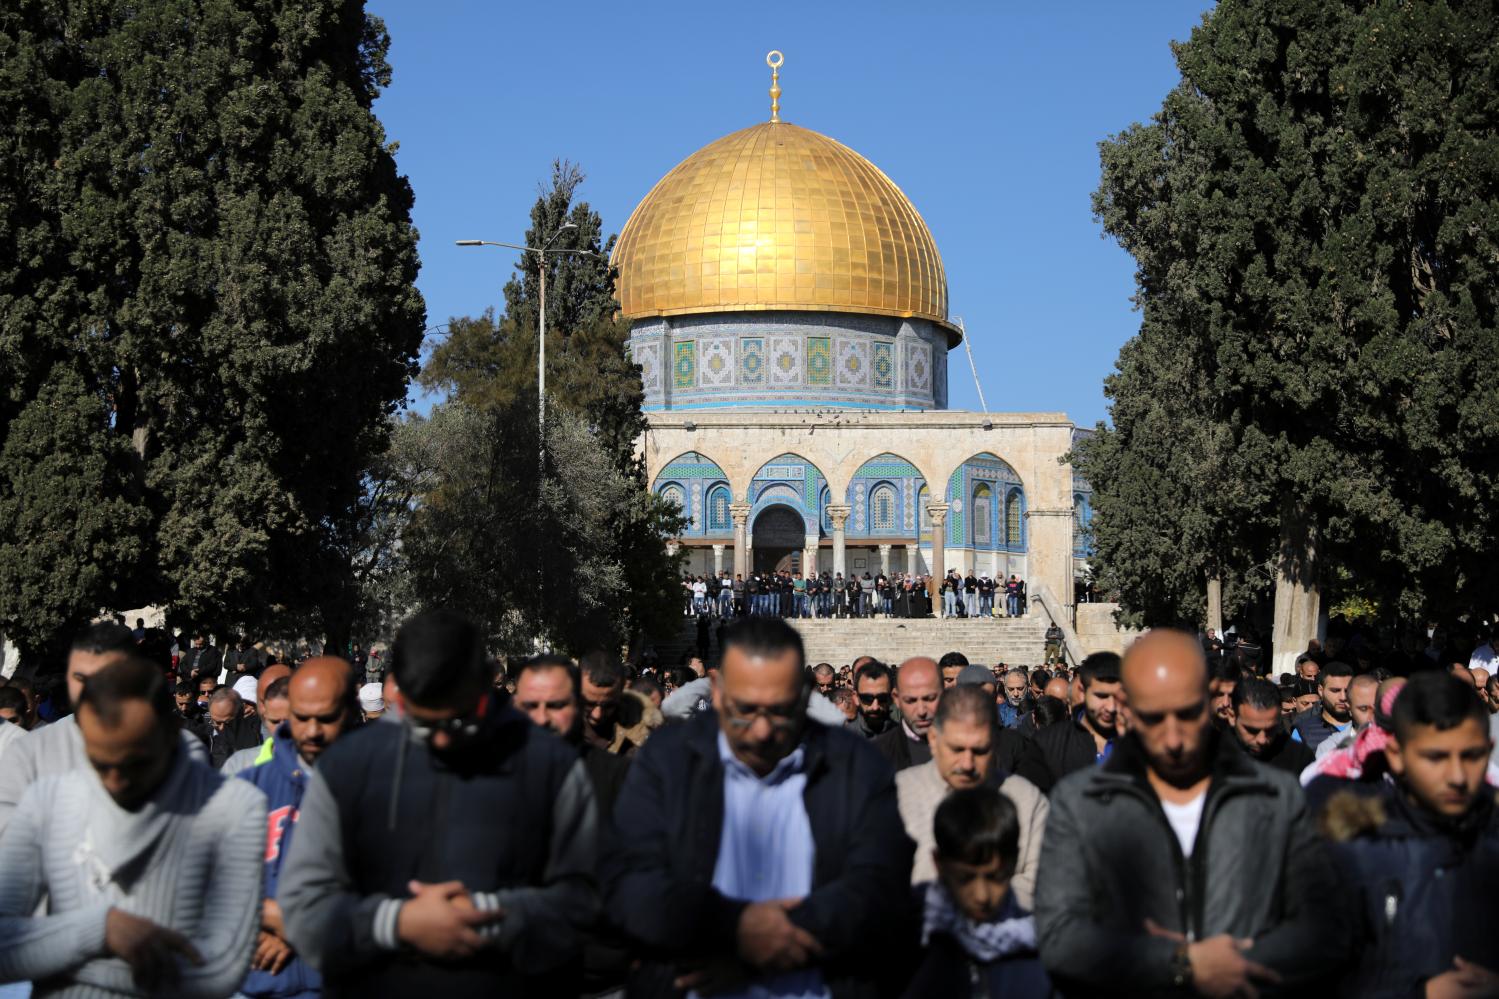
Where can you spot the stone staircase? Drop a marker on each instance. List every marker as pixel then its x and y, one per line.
pixel 840 641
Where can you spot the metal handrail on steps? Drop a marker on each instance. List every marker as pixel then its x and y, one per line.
pixel 1072 646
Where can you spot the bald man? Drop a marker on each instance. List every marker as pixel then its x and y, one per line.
pixel 918 683
pixel 321 704
pixel 1180 863
pixel 272 712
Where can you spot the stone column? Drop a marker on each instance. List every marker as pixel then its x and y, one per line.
pixel 718 559
pixel 885 561
pixel 938 512
pixel 809 555
pixel 740 513
pixel 913 559
pixel 1215 605
pixel 1049 553
pixel 839 516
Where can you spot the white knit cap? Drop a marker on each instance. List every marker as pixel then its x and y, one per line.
pixel 245 688
pixel 371 697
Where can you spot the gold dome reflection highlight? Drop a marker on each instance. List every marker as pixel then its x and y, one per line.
pixel 776 216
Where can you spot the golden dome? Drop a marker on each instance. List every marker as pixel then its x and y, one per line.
pixel 776 216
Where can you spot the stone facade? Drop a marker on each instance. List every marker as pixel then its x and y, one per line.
pixel 736 454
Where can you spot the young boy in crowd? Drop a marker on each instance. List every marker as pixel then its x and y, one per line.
pixel 975 939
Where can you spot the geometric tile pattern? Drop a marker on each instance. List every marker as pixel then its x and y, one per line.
pixel 819 361
pixel 884 366
pixel 853 363
pixel 648 356
pixel 752 361
pixel 715 363
pixel 785 360
pixel 918 366
pixel 684 368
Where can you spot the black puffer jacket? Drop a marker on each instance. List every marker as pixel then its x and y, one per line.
pixel 1423 890
pixel 1110 861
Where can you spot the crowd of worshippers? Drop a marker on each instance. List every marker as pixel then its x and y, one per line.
pixel 788 593
pixel 1159 824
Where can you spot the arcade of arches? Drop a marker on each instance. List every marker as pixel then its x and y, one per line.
pixel 850 492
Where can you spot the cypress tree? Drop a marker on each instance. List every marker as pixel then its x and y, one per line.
pixel 1314 213
pixel 207 308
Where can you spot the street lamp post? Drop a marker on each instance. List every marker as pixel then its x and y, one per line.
pixel 541 370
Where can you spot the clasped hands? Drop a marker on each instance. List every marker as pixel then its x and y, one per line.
pixel 767 941
pixel 440 921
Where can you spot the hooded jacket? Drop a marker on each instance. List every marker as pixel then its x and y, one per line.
pixel 1110 861
pixel 1422 888
pixel 283 781
pixel 512 816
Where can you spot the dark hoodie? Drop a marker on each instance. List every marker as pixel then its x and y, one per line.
pixel 512 816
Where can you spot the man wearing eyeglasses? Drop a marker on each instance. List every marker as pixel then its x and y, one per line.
pixel 758 852
pixel 872 683
pixel 452 854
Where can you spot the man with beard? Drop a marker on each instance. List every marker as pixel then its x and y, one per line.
pixel 1330 717
pixel 1015 705
pixel 320 708
pixel 136 873
pixel 202 660
pixel 1089 737
pixel 758 853
pixel 1361 693
pixel 1180 866
pixel 409 874
pixel 613 720
pixel 964 740
pixel 916 688
pixel 1224 676
pixel 1259 727
pixel 546 691
pixel 872 688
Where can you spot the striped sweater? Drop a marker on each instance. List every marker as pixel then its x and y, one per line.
pixel 190 859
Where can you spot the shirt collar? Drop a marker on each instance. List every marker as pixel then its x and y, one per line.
pixel 790 765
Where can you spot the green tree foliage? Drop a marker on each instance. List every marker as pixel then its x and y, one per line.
pixel 593 527
pixel 207 308
pixel 1314 213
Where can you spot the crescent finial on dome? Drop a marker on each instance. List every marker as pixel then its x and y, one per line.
pixel 774 59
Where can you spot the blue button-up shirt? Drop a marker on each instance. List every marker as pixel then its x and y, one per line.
pixel 766 851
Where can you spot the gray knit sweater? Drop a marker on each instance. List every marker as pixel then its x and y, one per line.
pixel 52 750
pixel 190 859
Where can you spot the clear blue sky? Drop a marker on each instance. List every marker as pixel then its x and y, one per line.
pixel 986 114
